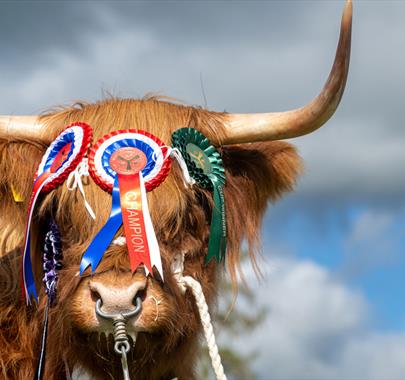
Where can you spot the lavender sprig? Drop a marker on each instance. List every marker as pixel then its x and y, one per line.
pixel 52 261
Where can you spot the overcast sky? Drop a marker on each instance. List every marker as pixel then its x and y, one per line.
pixel 335 246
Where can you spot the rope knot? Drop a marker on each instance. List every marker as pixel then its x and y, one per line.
pixel 177 268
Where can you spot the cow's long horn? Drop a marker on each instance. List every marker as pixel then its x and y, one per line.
pixel 22 128
pixel 244 128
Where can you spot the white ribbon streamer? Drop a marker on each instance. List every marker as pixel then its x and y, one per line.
pixel 74 181
pixel 154 251
pixel 175 154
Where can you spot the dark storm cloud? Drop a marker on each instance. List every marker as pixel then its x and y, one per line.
pixel 30 28
pixel 220 22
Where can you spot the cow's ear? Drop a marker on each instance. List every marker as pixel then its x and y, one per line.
pixel 18 163
pixel 256 174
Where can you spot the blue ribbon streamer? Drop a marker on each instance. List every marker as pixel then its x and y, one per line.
pixel 100 243
pixel 29 275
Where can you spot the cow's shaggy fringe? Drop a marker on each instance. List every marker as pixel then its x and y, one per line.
pixel 256 173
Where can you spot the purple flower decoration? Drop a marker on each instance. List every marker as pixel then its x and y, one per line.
pixel 52 261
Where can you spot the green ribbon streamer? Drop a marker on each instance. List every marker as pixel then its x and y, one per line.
pixel 205 166
pixel 217 242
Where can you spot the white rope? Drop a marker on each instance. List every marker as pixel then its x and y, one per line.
pixel 189 282
pixel 74 181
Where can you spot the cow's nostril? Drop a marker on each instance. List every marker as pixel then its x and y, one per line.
pixel 140 294
pixel 95 295
pixel 94 291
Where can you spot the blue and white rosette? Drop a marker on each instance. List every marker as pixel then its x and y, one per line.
pixel 146 171
pixel 59 160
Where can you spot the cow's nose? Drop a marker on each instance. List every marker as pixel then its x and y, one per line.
pixel 117 299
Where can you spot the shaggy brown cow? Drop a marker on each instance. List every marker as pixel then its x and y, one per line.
pixel 168 326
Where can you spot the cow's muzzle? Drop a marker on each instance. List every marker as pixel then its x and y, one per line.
pixel 117 299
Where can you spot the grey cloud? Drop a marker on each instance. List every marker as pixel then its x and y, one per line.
pixel 30 29
pixel 207 23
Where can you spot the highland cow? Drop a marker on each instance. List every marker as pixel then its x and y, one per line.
pixel 258 170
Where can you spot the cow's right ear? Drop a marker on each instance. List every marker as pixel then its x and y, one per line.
pixel 23 140
pixel 256 174
pixel 18 163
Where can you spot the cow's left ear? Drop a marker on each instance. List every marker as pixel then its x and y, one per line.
pixel 256 174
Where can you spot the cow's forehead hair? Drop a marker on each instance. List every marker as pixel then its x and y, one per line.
pixel 152 114
pixel 167 203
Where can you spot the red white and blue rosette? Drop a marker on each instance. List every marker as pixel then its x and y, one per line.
pixel 59 160
pixel 128 163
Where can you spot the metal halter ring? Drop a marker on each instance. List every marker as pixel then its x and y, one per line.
pixel 122 347
pixel 119 321
pixel 125 315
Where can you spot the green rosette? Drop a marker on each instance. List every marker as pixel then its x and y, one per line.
pixel 205 166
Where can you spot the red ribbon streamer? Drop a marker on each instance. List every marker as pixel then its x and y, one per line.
pixel 133 220
pixel 29 289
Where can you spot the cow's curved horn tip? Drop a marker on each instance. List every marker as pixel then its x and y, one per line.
pixel 348 10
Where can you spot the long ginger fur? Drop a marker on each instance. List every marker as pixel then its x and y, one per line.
pixel 256 174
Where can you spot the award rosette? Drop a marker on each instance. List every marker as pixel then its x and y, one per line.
pixel 128 163
pixel 204 163
pixel 59 160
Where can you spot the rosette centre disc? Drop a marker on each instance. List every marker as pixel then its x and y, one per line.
pixel 200 159
pixel 128 160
